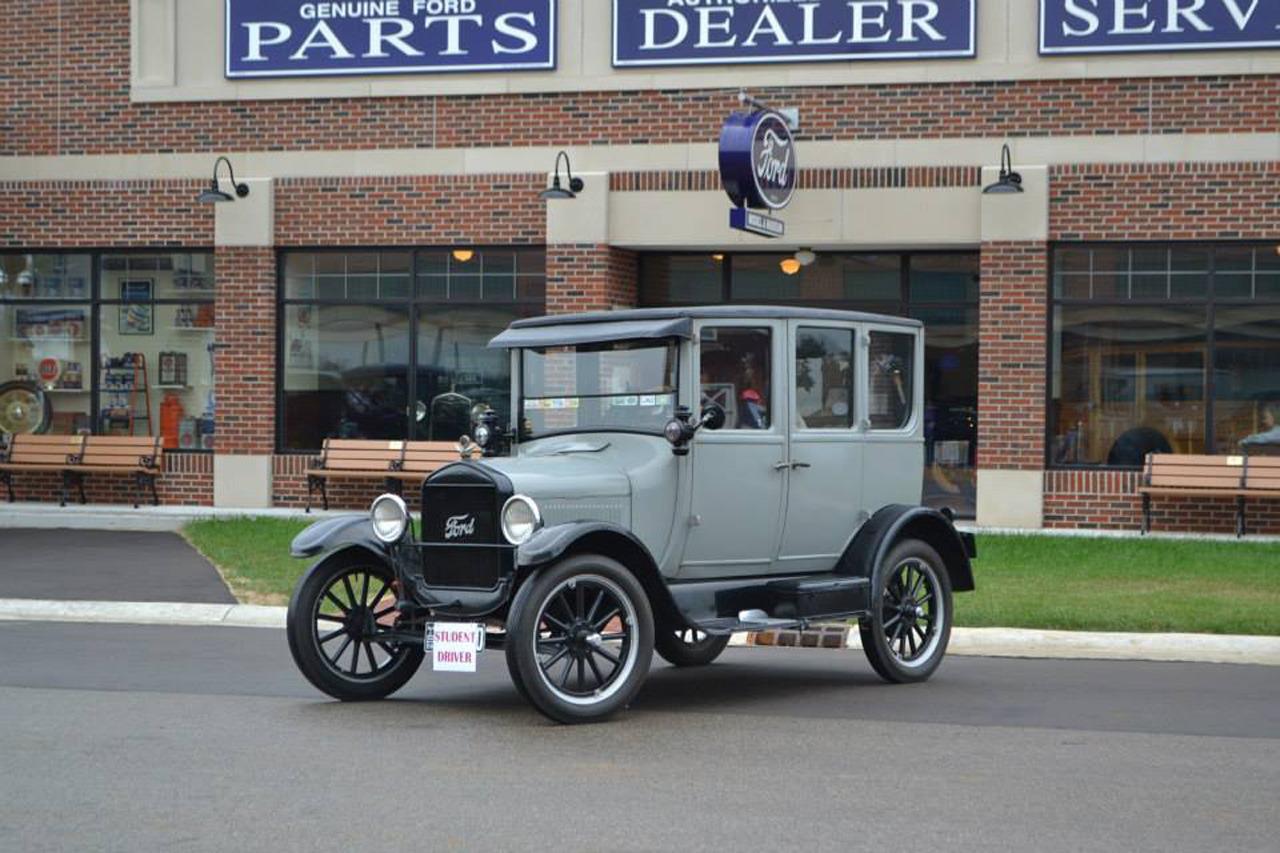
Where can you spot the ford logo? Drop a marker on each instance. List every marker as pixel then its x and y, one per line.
pixel 758 160
pixel 458 526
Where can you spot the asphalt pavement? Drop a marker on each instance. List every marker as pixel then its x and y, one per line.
pixel 141 738
pixel 95 565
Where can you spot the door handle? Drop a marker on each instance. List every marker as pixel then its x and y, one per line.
pixel 781 466
pixel 795 465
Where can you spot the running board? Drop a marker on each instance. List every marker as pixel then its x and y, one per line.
pixel 773 604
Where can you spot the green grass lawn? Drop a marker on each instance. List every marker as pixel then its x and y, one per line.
pixel 1023 581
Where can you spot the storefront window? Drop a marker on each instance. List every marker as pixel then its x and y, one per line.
pixel 116 343
pixel 939 288
pixel 1170 349
pixel 394 344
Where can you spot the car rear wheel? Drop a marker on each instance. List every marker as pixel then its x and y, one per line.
pixel 689 646
pixel 339 619
pixel 906 635
pixel 580 639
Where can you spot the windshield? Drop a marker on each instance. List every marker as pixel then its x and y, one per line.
pixel 620 385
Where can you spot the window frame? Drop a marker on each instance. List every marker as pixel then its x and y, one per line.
pixel 856 414
pixel 96 301
pixel 1209 303
pixel 414 304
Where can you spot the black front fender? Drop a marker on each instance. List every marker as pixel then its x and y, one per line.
pixel 331 534
pixel 899 521
pixel 610 540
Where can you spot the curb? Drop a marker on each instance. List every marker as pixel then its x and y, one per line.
pixel 978 642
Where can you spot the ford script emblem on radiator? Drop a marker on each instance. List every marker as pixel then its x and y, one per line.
pixel 457 526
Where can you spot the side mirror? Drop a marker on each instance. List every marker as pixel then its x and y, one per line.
pixel 680 430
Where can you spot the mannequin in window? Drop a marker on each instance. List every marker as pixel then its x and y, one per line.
pixel 1270 429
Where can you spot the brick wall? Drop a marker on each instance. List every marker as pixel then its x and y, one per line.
pixel 411 211
pixel 65 83
pixel 118 214
pixel 187 481
pixel 1167 201
pixel 1011 356
pixel 590 277
pixel 1108 500
pixel 245 363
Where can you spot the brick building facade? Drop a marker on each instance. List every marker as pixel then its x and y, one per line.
pixel 113 112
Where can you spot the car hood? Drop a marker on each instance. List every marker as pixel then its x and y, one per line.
pixel 566 468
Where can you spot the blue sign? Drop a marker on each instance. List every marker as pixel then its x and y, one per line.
pixel 290 38
pixel 741 219
pixel 758 160
pixel 689 32
pixel 1125 26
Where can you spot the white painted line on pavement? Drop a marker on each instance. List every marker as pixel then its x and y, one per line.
pixel 981 642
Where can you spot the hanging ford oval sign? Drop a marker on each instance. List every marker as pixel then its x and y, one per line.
pixel 758 160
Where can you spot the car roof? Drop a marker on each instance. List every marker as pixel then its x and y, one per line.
pixel 715 312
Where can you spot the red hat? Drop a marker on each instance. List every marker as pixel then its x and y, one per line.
pixel 751 395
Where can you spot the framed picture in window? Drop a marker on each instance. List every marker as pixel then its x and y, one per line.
pixel 137 289
pixel 137 319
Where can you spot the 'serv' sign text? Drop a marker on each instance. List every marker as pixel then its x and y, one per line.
pixel 1124 26
pixel 289 38
pixel 692 32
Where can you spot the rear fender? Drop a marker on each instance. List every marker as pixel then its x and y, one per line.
pixel 896 522
pixel 341 532
pixel 551 544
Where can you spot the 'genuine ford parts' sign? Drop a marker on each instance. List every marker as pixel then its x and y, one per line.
pixel 758 169
pixel 1127 26
pixel 693 32
pixel 290 38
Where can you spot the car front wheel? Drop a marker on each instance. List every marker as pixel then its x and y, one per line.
pixel 906 635
pixel 339 621
pixel 580 639
pixel 689 647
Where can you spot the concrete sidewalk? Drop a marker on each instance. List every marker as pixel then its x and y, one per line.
pixel 980 642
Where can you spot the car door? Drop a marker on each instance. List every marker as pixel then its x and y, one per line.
pixel 739 471
pixel 823 504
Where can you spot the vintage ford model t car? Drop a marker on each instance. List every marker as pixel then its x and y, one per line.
pixel 606 520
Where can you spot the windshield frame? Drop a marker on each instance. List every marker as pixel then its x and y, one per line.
pixel 519 399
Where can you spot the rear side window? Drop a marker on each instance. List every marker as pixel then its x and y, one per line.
pixel 824 378
pixel 892 371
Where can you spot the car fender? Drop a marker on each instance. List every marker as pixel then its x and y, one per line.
pixel 550 544
pixel 341 532
pixel 896 522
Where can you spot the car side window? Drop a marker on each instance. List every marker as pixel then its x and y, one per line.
pixel 824 378
pixel 892 371
pixel 736 370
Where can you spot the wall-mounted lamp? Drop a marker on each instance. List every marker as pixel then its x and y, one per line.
pixel 556 190
pixel 790 266
pixel 214 194
pixel 718 257
pixel 462 256
pixel 1009 180
pixel 806 257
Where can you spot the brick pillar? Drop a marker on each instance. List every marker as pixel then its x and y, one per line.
pixel 590 277
pixel 1013 348
pixel 245 364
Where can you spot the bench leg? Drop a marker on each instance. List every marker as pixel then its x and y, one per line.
pixel 324 494
pixel 311 484
pixel 1241 523
pixel 137 490
pixel 66 487
pixel 394 486
pixel 155 495
pixel 1146 514
pixel 7 476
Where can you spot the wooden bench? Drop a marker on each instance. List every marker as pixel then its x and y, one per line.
pixel 393 462
pixel 142 457
pixel 1239 477
pixel 76 456
pixel 39 453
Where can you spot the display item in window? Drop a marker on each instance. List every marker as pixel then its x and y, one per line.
pixel 1270 433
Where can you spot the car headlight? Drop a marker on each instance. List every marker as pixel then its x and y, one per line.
pixel 520 519
pixel 483 435
pixel 390 518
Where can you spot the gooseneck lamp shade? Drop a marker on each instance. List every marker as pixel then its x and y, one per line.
pixel 806 257
pixel 214 194
pixel 1009 180
pixel 557 190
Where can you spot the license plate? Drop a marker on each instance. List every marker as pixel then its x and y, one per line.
pixel 454 646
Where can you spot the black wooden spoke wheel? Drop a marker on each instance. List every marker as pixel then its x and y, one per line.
pixel 580 639
pixel 339 624
pixel 906 635
pixel 689 646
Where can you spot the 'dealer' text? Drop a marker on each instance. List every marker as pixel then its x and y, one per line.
pixel 277 38
pixel 690 31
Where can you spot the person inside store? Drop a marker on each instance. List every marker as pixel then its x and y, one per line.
pixel 1270 434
